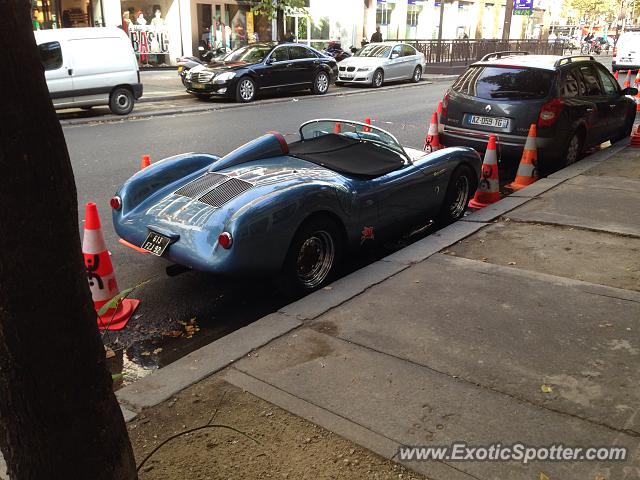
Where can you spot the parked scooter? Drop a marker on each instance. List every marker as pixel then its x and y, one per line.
pixel 334 49
pixel 187 63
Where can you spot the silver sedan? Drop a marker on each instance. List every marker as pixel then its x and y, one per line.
pixel 377 63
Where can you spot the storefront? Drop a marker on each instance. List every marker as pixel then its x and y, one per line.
pixel 48 14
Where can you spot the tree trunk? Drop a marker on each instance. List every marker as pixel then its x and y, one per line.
pixel 59 417
pixel 280 24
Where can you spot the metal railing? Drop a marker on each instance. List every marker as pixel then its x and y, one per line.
pixel 463 52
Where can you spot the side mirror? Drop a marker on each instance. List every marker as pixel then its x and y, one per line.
pixel 394 55
pixel 270 60
pixel 630 91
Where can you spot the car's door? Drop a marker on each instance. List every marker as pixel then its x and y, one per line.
pixel 409 60
pixel 618 106
pixel 394 67
pixel 58 72
pixel 598 111
pixel 276 68
pixel 304 63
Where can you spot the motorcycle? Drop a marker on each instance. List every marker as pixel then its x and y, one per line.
pixel 188 62
pixel 334 49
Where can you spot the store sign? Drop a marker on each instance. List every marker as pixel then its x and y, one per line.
pixel 522 7
pixel 147 39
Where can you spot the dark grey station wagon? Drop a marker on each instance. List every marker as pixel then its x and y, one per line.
pixel 575 102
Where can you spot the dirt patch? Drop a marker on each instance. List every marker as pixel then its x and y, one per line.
pixel 289 447
pixel 596 257
pixel 624 164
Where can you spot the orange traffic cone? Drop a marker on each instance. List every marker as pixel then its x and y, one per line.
pixel 432 142
pixel 439 112
pixel 102 279
pixel 145 161
pixel 637 80
pixel 337 128
pixel 368 122
pixel 627 81
pixel 489 188
pixel 638 101
pixel 617 74
pixel 528 168
pixel 635 137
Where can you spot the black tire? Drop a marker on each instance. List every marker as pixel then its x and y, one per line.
pixel 628 129
pixel 417 74
pixel 462 186
pixel 121 101
pixel 302 271
pixel 246 90
pixel 378 78
pixel 321 83
pixel 573 150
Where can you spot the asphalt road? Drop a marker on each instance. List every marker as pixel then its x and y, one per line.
pixel 104 155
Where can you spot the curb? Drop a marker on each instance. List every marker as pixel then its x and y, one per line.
pixel 209 107
pixel 166 382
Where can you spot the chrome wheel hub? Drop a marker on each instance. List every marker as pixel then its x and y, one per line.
pixel 123 101
pixel 246 90
pixel 315 259
pixel 461 199
pixel 322 83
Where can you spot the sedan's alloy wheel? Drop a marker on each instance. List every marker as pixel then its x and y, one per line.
pixel 247 90
pixel 322 83
pixel 378 78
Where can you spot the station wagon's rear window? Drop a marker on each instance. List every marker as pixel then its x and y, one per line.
pixel 495 82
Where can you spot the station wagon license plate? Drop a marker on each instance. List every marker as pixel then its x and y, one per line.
pixel 199 86
pixel 156 243
pixel 496 122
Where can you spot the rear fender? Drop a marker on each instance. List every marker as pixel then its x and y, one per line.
pixel 162 176
pixel 448 159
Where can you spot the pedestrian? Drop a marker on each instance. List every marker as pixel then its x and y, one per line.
pixel 377 36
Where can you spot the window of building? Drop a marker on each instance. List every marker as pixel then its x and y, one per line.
pixel 50 55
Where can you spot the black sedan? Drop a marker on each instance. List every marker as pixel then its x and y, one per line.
pixel 263 67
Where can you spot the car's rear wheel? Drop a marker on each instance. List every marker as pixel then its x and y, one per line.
pixel 378 78
pixel 461 186
pixel 246 90
pixel 121 101
pixel 320 84
pixel 417 74
pixel 573 150
pixel 314 255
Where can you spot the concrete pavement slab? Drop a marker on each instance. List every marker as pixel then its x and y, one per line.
pixel 512 332
pixel 537 188
pixel 590 161
pixel 625 164
pixel 435 242
pixel 128 414
pixel 416 405
pixel 558 250
pixel 494 211
pixel 164 383
pixel 588 202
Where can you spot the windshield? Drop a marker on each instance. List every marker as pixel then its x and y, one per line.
pixel 374 50
pixel 358 131
pixel 505 82
pixel 248 54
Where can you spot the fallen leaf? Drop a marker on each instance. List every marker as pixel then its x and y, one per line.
pixel 145 353
pixel 511 263
pixel 157 350
pixel 543 477
pixel 546 388
pixel 109 353
pixel 328 288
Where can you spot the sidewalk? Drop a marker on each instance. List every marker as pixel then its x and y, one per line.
pixel 517 324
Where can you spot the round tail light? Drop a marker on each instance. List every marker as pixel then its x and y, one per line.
pixel 116 203
pixel 225 240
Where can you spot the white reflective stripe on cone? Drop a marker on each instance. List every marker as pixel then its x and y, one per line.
pixel 93 242
pixel 525 170
pixel 491 158
pixel 109 287
pixel 531 143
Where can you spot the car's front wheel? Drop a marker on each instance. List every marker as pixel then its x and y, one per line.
pixel 461 187
pixel 378 78
pixel 246 90
pixel 320 84
pixel 417 74
pixel 121 101
pixel 314 255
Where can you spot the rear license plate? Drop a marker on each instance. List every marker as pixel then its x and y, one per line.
pixel 496 122
pixel 156 243
pixel 199 86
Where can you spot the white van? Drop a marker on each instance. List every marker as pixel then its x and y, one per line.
pixel 85 67
pixel 626 55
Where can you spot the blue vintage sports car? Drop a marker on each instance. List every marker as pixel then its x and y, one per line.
pixel 295 209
